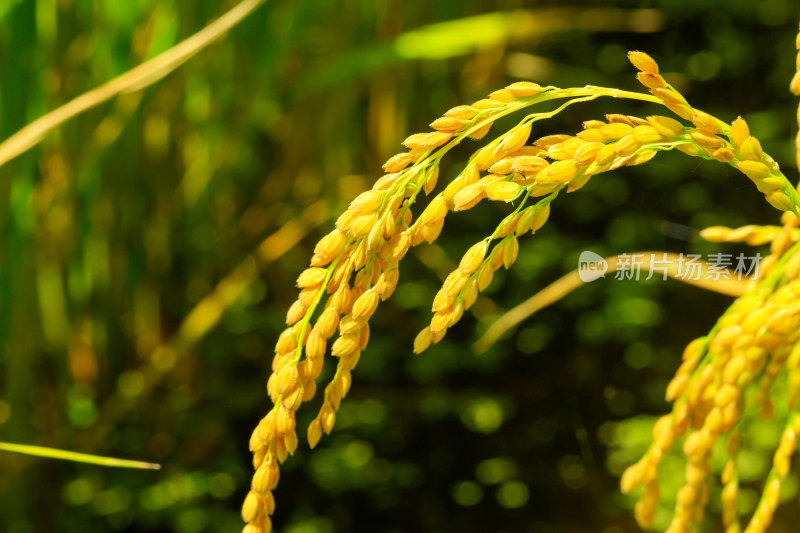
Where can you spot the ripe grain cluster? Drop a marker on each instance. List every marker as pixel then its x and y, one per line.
pixel 356 266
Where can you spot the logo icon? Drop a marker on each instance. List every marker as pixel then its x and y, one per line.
pixel 591 266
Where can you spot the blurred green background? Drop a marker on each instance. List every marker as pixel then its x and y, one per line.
pixel 148 252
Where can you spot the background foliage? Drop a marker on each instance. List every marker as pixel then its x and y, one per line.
pixel 148 251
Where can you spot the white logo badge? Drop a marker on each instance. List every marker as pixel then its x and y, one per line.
pixel 591 266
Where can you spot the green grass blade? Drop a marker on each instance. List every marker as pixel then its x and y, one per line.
pixel 52 453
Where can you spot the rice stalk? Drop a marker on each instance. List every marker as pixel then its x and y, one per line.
pixel 53 453
pixel 794 87
pixel 134 79
pixel 749 347
pixel 356 266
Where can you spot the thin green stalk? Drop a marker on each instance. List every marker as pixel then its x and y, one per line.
pixel 134 79
pixel 65 455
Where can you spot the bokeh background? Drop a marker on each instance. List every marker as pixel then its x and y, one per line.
pixel 148 252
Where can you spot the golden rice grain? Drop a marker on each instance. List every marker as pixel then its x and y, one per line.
pixel 295 313
pixel 753 169
pixel 706 139
pixel 423 340
pixel 448 123
pixel 366 202
pixel 487 103
pixel 481 132
pixel 651 80
pixel 398 162
pixel 521 89
pixel 646 134
pixel 615 131
pixel 780 200
pixel 751 149
pixel 502 95
pixel 463 112
pixel 559 172
pixel 429 184
pixel 503 191
pixel 516 139
pixel 723 154
pixel 707 123
pixel 643 62
pixel 469 196
pixel 473 258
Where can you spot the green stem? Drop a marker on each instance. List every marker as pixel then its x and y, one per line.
pixel 53 453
